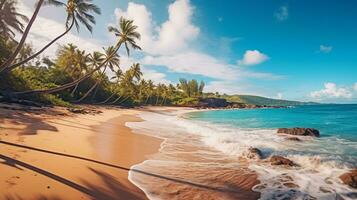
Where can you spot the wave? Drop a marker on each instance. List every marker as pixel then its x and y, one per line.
pixel 321 160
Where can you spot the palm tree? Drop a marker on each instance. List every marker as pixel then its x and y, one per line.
pixel 126 83
pixel 126 35
pixel 78 11
pixel 149 90
pixel 113 58
pixel 96 58
pixel 81 66
pixel 136 71
pixel 118 77
pixel 112 63
pixel 10 19
pixel 23 38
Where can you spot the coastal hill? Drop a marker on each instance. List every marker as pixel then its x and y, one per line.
pixel 258 100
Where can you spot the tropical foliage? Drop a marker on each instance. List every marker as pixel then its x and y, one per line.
pixel 75 75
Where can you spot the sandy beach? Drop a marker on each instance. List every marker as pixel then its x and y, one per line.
pixel 55 154
pixel 58 155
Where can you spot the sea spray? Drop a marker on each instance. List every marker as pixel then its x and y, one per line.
pixel 321 160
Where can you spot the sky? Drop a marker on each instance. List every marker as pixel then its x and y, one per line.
pixel 285 49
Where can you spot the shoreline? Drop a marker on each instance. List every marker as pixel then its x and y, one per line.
pixel 95 155
pixel 86 156
pixel 180 163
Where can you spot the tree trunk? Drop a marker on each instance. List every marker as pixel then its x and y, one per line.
pixel 74 90
pixel 71 84
pixel 157 100
pixel 117 99
pixel 8 62
pixel 147 98
pixel 88 92
pixel 13 66
pixel 124 99
pixel 94 94
pixel 92 88
pixel 105 101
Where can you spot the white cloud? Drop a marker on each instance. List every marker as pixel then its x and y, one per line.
pixel 193 63
pixel 331 91
pixel 325 49
pixel 279 96
pixel 170 44
pixel 156 77
pixel 355 86
pixel 253 57
pixel 282 14
pixel 172 36
pixel 44 30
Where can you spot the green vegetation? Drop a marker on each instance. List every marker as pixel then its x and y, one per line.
pixel 75 75
pixel 257 100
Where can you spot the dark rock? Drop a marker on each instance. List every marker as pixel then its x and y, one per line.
pixel 350 178
pixel 253 153
pixel 78 110
pixel 280 160
pixel 213 103
pixel 293 139
pixel 300 131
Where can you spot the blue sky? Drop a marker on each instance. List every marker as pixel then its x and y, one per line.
pixel 291 49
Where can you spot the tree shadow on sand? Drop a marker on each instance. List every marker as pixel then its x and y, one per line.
pixel 38 197
pixel 93 190
pixel 31 119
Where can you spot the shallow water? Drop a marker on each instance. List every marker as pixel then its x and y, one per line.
pixel 204 147
pixel 186 168
pixel 322 160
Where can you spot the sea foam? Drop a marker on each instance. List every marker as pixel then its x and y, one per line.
pixel 316 176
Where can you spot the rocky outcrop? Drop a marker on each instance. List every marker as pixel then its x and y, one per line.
pixel 253 153
pixel 221 103
pixel 350 178
pixel 212 103
pixel 296 139
pixel 280 160
pixel 300 131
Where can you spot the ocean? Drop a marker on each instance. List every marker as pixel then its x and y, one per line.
pixel 218 137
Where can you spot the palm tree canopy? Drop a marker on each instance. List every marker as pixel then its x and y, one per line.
pixel 127 34
pixel 96 58
pixel 136 71
pixel 10 20
pixel 113 57
pixel 78 11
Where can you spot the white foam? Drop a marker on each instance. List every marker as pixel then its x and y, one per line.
pixel 321 160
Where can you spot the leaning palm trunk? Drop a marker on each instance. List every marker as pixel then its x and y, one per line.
pixel 147 99
pixel 88 92
pixel 157 100
pixel 122 101
pixel 92 88
pixel 13 66
pixel 74 89
pixel 105 101
pixel 116 100
pixel 8 62
pixel 71 84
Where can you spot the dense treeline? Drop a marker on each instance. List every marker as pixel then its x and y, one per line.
pixel 75 75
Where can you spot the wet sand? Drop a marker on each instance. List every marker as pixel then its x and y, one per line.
pixel 54 154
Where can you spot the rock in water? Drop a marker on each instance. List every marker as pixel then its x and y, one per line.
pixel 253 153
pixel 350 178
pixel 293 139
pixel 280 160
pixel 300 131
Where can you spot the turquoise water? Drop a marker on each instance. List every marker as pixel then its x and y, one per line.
pixel 332 120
